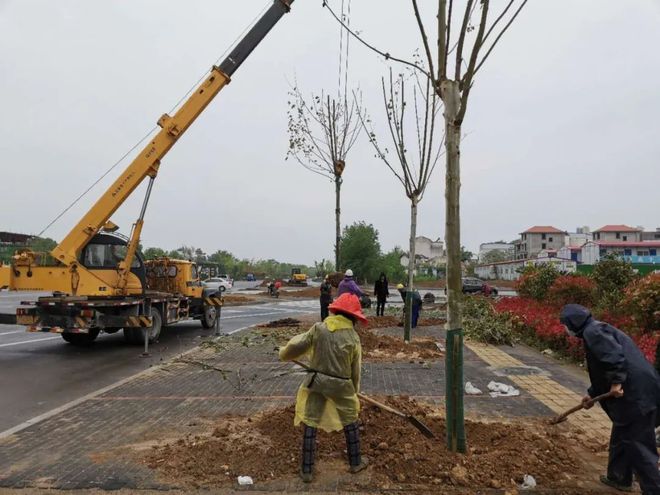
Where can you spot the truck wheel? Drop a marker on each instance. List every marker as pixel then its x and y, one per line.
pixel 222 288
pixel 208 318
pixel 81 339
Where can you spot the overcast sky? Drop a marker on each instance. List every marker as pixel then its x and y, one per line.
pixel 563 125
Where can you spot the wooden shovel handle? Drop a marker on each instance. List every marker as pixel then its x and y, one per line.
pixel 580 406
pixel 381 405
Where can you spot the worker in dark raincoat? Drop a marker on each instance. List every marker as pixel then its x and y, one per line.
pixel 327 397
pixel 381 291
pixel 617 365
pixel 326 297
pixel 416 303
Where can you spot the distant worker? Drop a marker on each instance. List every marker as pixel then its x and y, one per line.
pixel 616 365
pixel 416 303
pixel 381 292
pixel 327 397
pixel 348 285
pixel 326 297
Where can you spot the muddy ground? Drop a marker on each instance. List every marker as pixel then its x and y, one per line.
pixel 375 346
pixel 498 456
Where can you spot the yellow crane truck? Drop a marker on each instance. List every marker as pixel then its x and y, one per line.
pixel 97 278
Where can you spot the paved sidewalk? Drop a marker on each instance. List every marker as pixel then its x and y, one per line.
pixel 85 446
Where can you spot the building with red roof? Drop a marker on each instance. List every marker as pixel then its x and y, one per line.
pixel 622 233
pixel 539 238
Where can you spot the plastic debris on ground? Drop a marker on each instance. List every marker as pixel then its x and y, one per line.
pixel 471 389
pixel 245 480
pixel 502 390
pixel 528 482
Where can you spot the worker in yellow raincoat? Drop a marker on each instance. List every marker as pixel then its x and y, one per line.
pixel 327 397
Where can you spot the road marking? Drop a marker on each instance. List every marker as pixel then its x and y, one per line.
pixel 28 341
pixel 15 331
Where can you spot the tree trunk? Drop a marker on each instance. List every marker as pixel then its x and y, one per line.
pixel 407 324
pixel 337 219
pixel 454 345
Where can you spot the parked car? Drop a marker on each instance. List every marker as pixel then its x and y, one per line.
pixel 472 285
pixel 227 277
pixel 250 277
pixel 218 283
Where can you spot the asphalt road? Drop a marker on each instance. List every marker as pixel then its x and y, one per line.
pixel 39 372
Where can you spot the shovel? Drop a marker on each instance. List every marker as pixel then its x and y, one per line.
pixel 563 416
pixel 408 417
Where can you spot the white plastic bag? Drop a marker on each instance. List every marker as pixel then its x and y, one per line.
pixel 528 482
pixel 502 390
pixel 245 480
pixel 471 389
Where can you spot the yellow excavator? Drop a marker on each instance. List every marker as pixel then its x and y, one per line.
pixel 97 278
pixel 298 277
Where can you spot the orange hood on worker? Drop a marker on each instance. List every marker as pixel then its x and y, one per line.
pixel 348 304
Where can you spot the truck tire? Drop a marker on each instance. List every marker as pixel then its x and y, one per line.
pixel 209 316
pixel 81 339
pixel 135 336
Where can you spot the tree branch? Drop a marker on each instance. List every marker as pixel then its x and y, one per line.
pixel 513 18
pixel 466 82
pixel 425 39
pixel 461 40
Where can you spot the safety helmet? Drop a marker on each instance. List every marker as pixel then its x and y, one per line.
pixel 349 304
pixel 349 273
pixel 400 286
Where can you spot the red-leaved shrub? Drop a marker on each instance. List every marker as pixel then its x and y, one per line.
pixel 642 301
pixel 572 289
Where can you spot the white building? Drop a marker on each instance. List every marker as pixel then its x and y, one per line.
pixel 510 270
pixel 430 256
pixel 643 252
pixel 505 248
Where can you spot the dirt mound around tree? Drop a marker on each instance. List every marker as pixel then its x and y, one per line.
pixel 498 456
pixel 397 321
pixel 385 347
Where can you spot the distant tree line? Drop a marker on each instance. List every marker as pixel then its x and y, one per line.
pixel 227 263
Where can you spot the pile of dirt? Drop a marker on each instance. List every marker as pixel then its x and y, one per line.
pixel 397 321
pixel 498 456
pixel 236 300
pixel 385 347
pixel 284 322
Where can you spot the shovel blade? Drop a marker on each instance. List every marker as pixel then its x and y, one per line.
pixel 420 426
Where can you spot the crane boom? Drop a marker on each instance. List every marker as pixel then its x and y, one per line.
pixel 172 127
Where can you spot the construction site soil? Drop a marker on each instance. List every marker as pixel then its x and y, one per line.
pixel 267 448
pixel 236 300
pixel 375 346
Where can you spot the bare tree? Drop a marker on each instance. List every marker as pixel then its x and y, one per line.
pixel 467 33
pixel 417 150
pixel 322 131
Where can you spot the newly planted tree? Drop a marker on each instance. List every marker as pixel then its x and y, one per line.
pixel 323 129
pixel 467 33
pixel 417 149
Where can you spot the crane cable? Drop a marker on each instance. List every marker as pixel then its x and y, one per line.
pixel 146 136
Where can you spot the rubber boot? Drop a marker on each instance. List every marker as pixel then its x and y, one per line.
pixel 308 448
pixel 356 462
